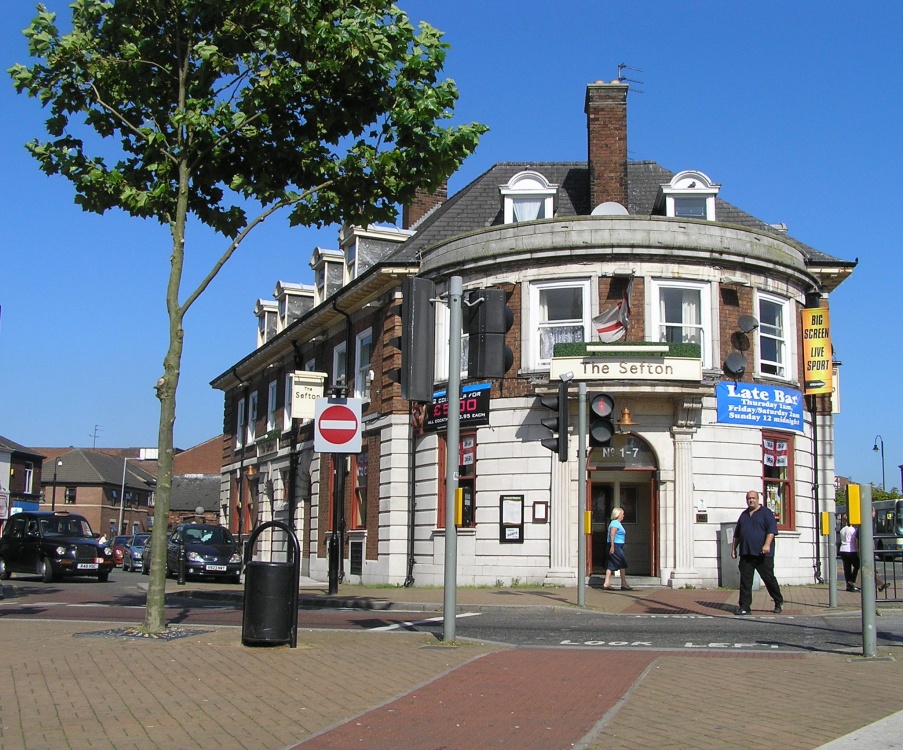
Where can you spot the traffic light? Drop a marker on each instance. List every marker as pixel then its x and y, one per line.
pixel 601 427
pixel 558 423
pixel 418 339
pixel 489 321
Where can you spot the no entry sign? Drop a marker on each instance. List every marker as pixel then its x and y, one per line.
pixel 337 425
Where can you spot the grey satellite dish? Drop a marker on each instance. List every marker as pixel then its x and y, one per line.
pixel 609 208
pixel 747 323
pixel 199 510
pixel 735 364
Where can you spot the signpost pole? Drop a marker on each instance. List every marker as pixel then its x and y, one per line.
pixel 581 493
pixel 452 446
pixel 338 496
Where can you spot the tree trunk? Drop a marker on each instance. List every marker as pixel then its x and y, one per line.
pixel 166 392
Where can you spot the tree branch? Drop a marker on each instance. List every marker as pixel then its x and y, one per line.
pixel 129 126
pixel 241 237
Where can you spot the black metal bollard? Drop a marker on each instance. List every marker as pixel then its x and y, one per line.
pixel 181 575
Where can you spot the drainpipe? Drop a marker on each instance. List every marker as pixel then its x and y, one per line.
pixel 241 459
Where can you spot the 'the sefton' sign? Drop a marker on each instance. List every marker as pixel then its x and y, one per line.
pixel 627 368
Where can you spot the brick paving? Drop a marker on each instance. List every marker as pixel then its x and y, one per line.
pixel 400 690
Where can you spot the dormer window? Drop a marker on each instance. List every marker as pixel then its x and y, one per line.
pixel 329 268
pixel 294 300
pixel 364 247
pixel 689 195
pixel 528 196
pixel 266 312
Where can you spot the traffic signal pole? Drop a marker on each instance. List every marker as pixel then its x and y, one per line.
pixel 452 446
pixel 581 494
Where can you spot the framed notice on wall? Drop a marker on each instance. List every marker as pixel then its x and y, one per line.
pixel 511 516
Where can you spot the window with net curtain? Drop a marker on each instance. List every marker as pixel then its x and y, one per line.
pixel 680 315
pixel 562 316
pixel 528 209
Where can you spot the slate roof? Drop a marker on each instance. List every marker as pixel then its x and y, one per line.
pixel 12 446
pixel 478 205
pixel 84 467
pixel 191 490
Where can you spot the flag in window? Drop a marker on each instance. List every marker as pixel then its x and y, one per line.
pixel 612 324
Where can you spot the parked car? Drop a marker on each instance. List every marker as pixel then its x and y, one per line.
pixel 210 552
pixel 53 545
pixel 132 559
pixel 118 545
pixel 146 554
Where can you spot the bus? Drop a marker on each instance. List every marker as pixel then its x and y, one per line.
pixel 888 528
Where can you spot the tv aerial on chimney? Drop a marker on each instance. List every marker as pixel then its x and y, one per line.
pixel 621 77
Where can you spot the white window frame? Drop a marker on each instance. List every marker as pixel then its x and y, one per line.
pixel 252 418
pixel 339 371
pixel 240 425
pixel 28 470
pixel 272 392
pixel 362 368
pixel 537 324
pixel 784 366
pixel 705 311
pixel 689 184
pixel 532 191
pixel 443 341
pixel 287 404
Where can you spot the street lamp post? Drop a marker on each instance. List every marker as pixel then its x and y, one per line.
pixel 53 496
pixel 879 439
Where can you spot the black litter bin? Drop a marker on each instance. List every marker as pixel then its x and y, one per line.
pixel 270 615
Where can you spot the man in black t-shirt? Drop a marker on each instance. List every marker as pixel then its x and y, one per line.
pixel 754 539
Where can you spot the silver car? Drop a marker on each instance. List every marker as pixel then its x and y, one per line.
pixel 132 556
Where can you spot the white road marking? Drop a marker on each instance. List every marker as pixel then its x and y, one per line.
pixel 413 623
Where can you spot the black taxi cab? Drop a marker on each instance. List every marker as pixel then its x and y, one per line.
pixel 53 545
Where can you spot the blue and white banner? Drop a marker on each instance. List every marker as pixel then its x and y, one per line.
pixel 763 406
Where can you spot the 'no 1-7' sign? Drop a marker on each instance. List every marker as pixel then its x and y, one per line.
pixel 337 425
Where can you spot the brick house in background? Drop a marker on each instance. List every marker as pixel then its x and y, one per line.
pixel 112 492
pixel 195 484
pixel 195 481
pixel 714 338
pixel 20 478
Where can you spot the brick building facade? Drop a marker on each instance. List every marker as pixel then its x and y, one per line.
pixel 706 382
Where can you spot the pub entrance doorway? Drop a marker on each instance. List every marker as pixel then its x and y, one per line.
pixel 623 476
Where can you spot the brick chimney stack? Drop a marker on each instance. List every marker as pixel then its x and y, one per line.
pixel 422 204
pixel 606 127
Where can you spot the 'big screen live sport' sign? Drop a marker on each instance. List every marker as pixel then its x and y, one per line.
pixel 755 405
pixel 337 425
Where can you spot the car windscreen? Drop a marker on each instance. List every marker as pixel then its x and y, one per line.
pixel 206 535
pixel 140 541
pixel 69 527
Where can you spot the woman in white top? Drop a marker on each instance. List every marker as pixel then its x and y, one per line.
pixel 849 553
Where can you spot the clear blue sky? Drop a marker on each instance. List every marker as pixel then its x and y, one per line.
pixel 794 107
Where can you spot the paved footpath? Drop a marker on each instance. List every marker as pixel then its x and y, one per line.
pixel 69 685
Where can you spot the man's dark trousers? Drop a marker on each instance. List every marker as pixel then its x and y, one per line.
pixel 764 566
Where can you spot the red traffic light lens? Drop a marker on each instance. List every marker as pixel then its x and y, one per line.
pixel 602 405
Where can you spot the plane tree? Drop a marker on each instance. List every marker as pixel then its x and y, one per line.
pixel 225 112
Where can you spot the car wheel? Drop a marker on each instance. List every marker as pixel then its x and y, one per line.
pixel 103 577
pixel 4 571
pixel 47 571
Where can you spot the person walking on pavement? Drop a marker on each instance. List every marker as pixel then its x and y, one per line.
pixel 754 540
pixel 616 559
pixel 849 553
